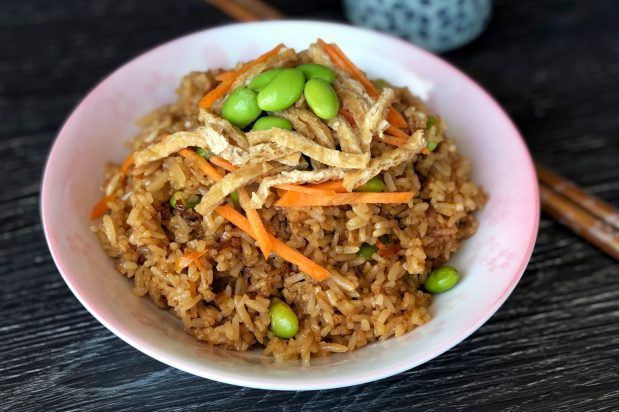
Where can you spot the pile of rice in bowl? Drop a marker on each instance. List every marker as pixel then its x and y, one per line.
pixel 312 237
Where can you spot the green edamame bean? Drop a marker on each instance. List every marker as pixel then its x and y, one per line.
pixel 375 184
pixel 284 322
pixel 321 98
pixel 366 251
pixel 269 122
pixel 259 82
pixel 281 92
pixel 430 123
pixel 203 152
pixel 380 83
pixel 431 146
pixel 234 197
pixel 441 279
pixel 181 202
pixel 191 201
pixel 241 108
pixel 314 70
pixel 176 196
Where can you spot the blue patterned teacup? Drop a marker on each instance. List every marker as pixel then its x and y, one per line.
pixel 436 25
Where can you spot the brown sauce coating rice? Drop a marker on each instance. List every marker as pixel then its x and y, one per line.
pixel 224 300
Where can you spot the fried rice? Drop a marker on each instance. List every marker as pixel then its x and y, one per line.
pixel 212 274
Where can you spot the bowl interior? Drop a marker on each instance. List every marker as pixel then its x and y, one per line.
pixel 491 262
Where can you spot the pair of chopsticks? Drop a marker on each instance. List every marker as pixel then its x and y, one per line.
pixel 588 216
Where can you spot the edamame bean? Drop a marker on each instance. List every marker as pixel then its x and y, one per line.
pixel 259 82
pixel 281 92
pixel 203 152
pixel 380 83
pixel 314 70
pixel 366 251
pixel 181 202
pixel 234 197
pixel 430 123
pixel 191 201
pixel 284 322
pixel 269 122
pixel 431 146
pixel 441 279
pixel 241 108
pixel 176 196
pixel 321 98
pixel 375 184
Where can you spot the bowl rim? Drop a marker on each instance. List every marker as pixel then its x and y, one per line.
pixel 282 384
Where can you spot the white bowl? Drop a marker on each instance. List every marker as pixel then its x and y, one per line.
pixel 491 262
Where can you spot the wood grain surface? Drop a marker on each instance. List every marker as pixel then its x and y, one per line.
pixel 554 345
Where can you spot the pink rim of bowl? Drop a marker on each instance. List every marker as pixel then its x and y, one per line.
pixel 365 47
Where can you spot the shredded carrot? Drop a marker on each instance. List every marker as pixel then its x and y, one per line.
pixel 395 118
pixel 287 253
pixel 392 140
pixel 296 199
pixel 335 185
pixel 338 57
pixel 211 97
pixel 394 131
pixel 192 256
pixel 425 151
pixel 224 76
pixel 101 207
pixel 386 251
pixel 223 163
pixel 202 164
pixel 126 164
pixel 262 236
pixel 348 116
pixel 305 189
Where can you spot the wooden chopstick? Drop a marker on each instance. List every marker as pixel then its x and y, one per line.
pixel 580 221
pixel 591 203
pixel 588 216
pixel 247 10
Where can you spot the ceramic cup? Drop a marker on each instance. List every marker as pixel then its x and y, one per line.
pixel 435 25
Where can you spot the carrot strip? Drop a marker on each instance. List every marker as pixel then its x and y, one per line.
pixel 394 131
pixel 211 97
pixel 348 116
pixel 395 118
pixel 305 189
pixel 262 236
pixel 205 166
pixel 193 256
pixel 295 199
pixel 224 76
pixel 126 164
pixel 386 251
pixel 287 253
pixel 101 207
pixel 392 140
pixel 338 57
pixel 223 163
pixel 335 185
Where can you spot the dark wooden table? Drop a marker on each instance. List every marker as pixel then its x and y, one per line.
pixel 554 345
